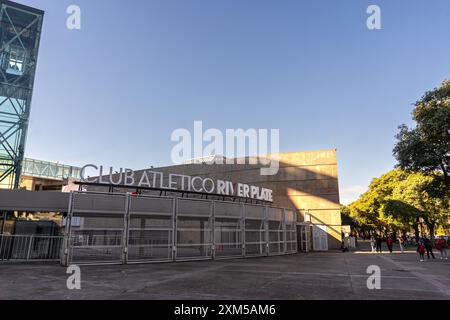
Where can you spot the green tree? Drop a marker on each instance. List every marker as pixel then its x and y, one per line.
pixel 426 147
pixel 372 207
pixel 348 219
pixel 398 199
pixel 405 215
pixel 428 195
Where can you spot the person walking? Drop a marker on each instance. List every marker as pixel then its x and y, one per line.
pixel 428 247
pixel 378 241
pixel 441 245
pixel 401 241
pixel 421 251
pixel 372 243
pixel 389 243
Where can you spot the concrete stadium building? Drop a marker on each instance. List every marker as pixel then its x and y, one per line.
pixel 173 225
pixel 306 182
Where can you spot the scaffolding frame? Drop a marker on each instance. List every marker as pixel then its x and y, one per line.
pixel 20 32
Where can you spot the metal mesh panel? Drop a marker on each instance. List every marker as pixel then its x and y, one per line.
pixel 150 235
pixel 254 212
pixel 151 205
pixel 96 204
pixel 227 210
pixel 150 244
pixel 96 245
pixel 255 237
pixel 194 229
pixel 228 235
pixel 276 237
pixel 194 237
pixel 276 230
pixel 275 214
pixel 99 236
pixel 290 216
pixel 190 207
pixel 291 231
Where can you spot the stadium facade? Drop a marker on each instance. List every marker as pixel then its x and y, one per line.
pixel 306 182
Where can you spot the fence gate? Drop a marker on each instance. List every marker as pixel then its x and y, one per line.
pixel 304 237
pixel 150 229
pixel 291 231
pixel 228 234
pixel 194 229
pixel 106 228
pixel 98 235
pixel 320 237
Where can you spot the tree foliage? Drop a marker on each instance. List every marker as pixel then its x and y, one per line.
pixel 396 201
pixel 426 147
pixel 419 189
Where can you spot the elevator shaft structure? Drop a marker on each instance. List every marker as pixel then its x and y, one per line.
pixel 20 32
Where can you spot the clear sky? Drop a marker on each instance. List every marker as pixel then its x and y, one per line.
pixel 113 92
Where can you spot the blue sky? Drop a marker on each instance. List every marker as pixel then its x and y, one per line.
pixel 113 92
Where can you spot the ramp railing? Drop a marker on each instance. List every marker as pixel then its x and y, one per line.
pixel 28 248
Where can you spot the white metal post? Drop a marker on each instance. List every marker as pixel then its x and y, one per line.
pixel 29 248
pixel 243 229
pixel 68 230
pixel 174 228
pixel 213 228
pixel 295 230
pixel 266 225
pixel 283 217
pixel 126 229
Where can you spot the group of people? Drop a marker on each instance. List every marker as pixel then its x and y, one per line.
pixel 424 245
pixel 377 241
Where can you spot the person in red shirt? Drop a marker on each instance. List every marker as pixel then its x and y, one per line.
pixel 421 251
pixel 389 243
pixel 441 246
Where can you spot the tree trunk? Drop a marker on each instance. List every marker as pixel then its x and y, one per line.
pixel 416 229
pixel 432 228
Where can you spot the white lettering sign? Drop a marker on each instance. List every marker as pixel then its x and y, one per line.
pixel 160 180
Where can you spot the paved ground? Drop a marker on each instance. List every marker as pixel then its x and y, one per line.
pixel 330 275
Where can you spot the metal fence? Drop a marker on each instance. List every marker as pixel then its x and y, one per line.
pixel 106 228
pixel 304 236
pixel 26 248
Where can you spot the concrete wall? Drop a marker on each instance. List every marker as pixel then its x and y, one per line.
pixel 26 201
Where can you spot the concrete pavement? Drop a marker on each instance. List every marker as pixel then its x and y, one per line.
pixel 327 275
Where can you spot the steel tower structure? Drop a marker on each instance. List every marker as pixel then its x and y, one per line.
pixel 20 32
